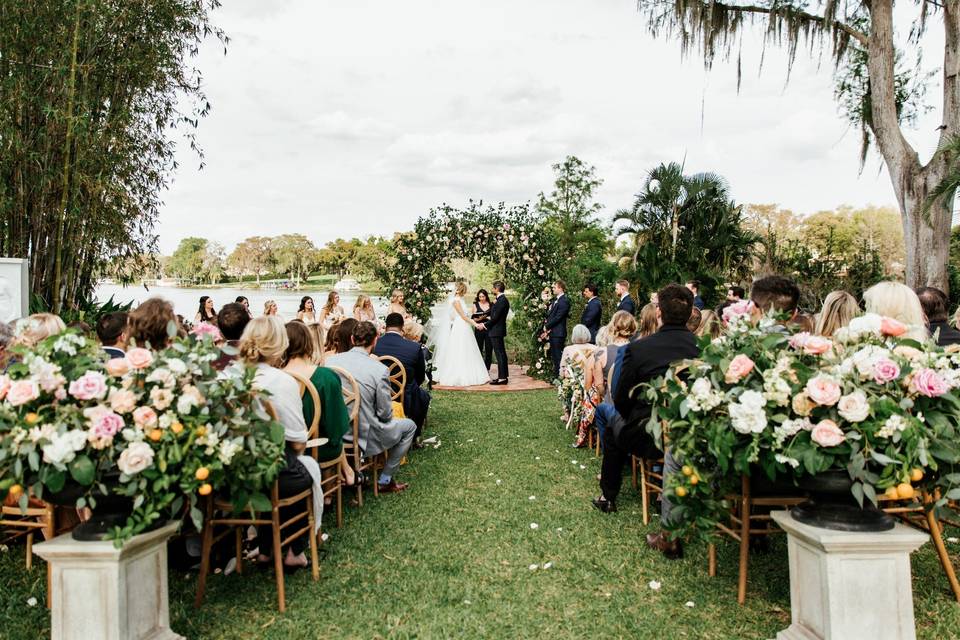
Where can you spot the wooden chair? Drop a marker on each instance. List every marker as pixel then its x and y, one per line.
pixel 238 521
pixel 744 524
pixel 38 517
pixel 351 397
pixel 398 380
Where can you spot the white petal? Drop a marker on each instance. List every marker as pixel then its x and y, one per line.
pixel 534 525
pixel 953 540
pixel 547 565
pixel 532 498
pixel 690 604
pixel 583 466
pixel 32 602
pixel 653 584
pixel 499 480
pixel 532 567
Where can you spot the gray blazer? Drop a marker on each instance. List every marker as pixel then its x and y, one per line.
pixel 377 430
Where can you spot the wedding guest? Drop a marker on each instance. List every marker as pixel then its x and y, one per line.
pixel 623 294
pixel 270 308
pixel 839 308
pixel 396 304
pixel 898 301
pixel 804 322
pixel 334 417
pixel 416 399
pixel 243 301
pixel 363 309
pixel 413 330
pixel 481 313
pixel 150 325
pixel 593 312
pixel 6 340
pixel 694 322
pixel 649 320
pixel 603 336
pixel 80 327
pixel 305 313
pixel 578 351
pixel 775 294
pixel 332 312
pixel 342 337
pixel 379 430
pixel 206 313
pixel 319 340
pixel 330 342
pixel 232 320
pixel 555 327
pixel 934 302
pixel 694 287
pixel 263 345
pixel 576 362
pixel 735 293
pixel 112 333
pixel 622 330
pixel 643 361
pixel 710 325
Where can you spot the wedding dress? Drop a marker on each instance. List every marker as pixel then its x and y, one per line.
pixel 458 360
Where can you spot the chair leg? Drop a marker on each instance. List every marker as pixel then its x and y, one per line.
pixel 278 560
pixel 206 547
pixel 312 518
pixel 238 539
pixel 712 560
pixel 937 536
pixel 633 471
pixel 30 550
pixel 644 494
pixel 339 505
pixel 49 586
pixel 359 495
pixel 744 542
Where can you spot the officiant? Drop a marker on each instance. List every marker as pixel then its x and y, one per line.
pixel 481 313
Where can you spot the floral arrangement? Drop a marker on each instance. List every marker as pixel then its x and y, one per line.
pixel 160 428
pixel 869 401
pixel 570 394
pixel 510 237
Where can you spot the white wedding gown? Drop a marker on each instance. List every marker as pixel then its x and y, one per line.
pixel 458 360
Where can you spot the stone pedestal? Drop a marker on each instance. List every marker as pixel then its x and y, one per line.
pixel 849 585
pixel 99 591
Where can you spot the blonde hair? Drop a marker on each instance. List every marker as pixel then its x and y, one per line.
pixel 38 327
pixel 623 325
pixel 461 288
pixel 395 296
pixel 331 301
pixel 264 340
pixel 412 330
pixel 648 320
pixel 363 301
pixel 603 336
pixel 267 306
pixel 897 301
pixel 710 324
pixel 316 330
pixel 839 308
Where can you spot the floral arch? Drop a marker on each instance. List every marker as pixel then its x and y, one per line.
pixel 509 237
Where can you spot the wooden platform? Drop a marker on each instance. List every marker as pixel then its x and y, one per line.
pixel 519 381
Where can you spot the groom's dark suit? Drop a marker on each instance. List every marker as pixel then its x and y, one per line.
pixel 497 330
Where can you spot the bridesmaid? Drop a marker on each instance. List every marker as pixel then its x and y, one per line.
pixel 305 313
pixel 481 313
pixel 332 312
pixel 270 308
pixel 396 304
pixel 206 313
pixel 363 310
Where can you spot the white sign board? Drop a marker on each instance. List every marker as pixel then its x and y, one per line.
pixel 14 289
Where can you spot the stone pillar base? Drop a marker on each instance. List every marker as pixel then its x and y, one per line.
pixel 99 591
pixel 849 585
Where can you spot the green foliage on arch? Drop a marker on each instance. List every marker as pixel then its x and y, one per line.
pixel 510 237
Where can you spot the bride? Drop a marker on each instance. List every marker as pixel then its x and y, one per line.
pixel 459 362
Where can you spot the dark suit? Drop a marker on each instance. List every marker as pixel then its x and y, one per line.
pixel 627 304
pixel 556 328
pixel 590 318
pixel 416 400
pixel 643 361
pixel 114 352
pixel 497 330
pixel 947 336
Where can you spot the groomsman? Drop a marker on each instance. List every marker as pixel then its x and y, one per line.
pixel 694 287
pixel 555 327
pixel 626 302
pixel 590 318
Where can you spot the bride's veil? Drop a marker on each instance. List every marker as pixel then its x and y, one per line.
pixel 440 326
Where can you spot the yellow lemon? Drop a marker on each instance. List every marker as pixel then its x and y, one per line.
pixel 202 474
pixel 176 427
pixel 16 491
pixel 155 435
pixel 687 470
pixel 680 491
pixel 32 418
pixel 916 475
pixel 694 480
pixel 201 431
pixel 891 493
pixel 205 489
pixel 905 491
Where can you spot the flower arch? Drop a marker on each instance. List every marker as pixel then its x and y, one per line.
pixel 510 237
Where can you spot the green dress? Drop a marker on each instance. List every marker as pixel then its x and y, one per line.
pixel 334 418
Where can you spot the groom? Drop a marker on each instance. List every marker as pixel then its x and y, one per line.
pixel 496 328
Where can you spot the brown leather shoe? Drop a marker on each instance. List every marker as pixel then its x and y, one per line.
pixel 671 549
pixel 392 487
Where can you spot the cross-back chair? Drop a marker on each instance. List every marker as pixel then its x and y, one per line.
pixel 329 469
pixel 398 381
pixel 360 464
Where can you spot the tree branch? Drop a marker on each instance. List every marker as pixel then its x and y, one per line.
pixel 859 36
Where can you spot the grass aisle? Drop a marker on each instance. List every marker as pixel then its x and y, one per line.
pixel 452 556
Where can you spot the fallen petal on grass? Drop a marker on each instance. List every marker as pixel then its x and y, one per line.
pixel 690 604
pixel 32 602
pixel 534 525
pixel 653 584
pixel 532 498
pixel 532 567
pixel 547 565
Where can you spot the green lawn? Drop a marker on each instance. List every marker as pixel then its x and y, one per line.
pixel 451 556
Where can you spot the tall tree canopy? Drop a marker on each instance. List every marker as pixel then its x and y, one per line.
pixel 90 91
pixel 873 86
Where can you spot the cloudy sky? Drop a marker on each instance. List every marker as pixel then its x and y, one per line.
pixel 349 118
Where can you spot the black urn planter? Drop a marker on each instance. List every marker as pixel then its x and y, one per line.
pixel 111 511
pixel 831 505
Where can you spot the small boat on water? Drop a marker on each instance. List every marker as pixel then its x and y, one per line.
pixel 347 284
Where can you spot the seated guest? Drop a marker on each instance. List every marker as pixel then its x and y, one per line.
pixel 577 353
pixel 232 320
pixel 622 329
pixel 340 338
pixel 839 308
pixel 37 327
pixel 413 330
pixel 735 293
pixel 694 322
pixel 694 287
pixel 898 301
pixel 934 304
pixel 263 345
pixel 649 320
pixel 334 417
pixel 710 325
pixel 318 333
pixel 416 399
pixel 112 333
pixel 379 430
pixel 643 361
pixel 150 325
pixel 775 294
pixel 803 322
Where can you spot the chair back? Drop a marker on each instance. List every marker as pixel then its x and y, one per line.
pixel 351 398
pixel 271 411
pixel 398 377
pixel 306 386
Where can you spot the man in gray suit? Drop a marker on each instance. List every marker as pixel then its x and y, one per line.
pixel 379 430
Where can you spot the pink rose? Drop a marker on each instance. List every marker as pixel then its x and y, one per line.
pixel 4 386
pixel 118 367
pixel 23 391
pixel 811 345
pixel 145 416
pixel 891 327
pixel 741 309
pixel 104 424
pixel 89 386
pixel 885 370
pixel 139 358
pixel 740 367
pixel 826 433
pixel 206 329
pixel 928 382
pixel 823 390
pixel 60 394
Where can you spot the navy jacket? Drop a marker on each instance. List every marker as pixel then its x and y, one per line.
pixel 947 336
pixel 590 318
pixel 416 400
pixel 556 323
pixel 497 324
pixel 628 305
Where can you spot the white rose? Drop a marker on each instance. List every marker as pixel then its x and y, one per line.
pixel 746 419
pixel 753 400
pixel 701 387
pixel 135 458
pixel 854 407
pixel 63 448
pixel 868 323
pixel 177 366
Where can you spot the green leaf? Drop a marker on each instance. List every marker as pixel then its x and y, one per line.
pixel 33 459
pixel 857 490
pixel 260 502
pixel 882 459
pixel 55 480
pixel 82 470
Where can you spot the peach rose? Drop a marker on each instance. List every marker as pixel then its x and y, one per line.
pixel 891 327
pixel 823 390
pixel 139 358
pixel 802 405
pixel 91 385
pixel 123 400
pixel 145 417
pixel 811 345
pixel 740 367
pixel 826 433
pixel 117 367
pixel 22 392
